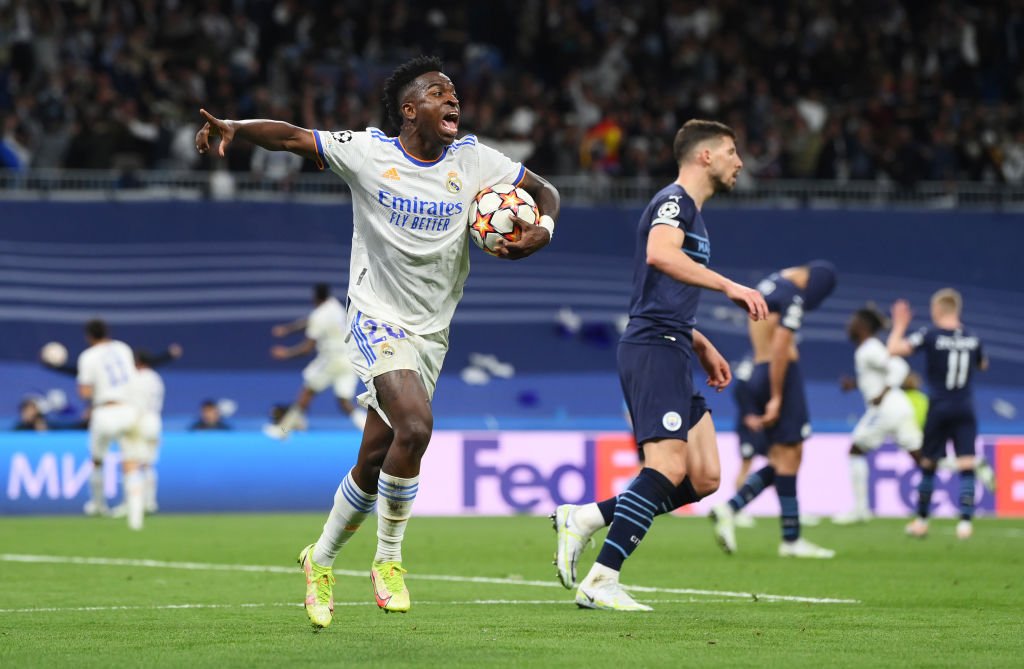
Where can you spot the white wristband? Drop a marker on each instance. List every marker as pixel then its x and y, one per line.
pixel 548 224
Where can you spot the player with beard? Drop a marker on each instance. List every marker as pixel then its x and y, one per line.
pixel 411 195
pixel 671 423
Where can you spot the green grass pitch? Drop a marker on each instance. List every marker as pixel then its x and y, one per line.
pixel 181 599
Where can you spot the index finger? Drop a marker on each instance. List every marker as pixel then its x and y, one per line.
pixel 210 118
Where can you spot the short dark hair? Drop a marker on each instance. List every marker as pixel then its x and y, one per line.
pixel 696 131
pixel 97 329
pixel 396 84
pixel 871 316
pixel 208 403
pixel 321 292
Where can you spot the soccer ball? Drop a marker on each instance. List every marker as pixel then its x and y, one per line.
pixel 54 354
pixel 490 215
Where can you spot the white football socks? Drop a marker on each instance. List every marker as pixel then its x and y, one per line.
pixel 588 518
pixel 396 496
pixel 859 483
pixel 292 420
pixel 99 497
pixel 351 507
pixel 134 494
pixel 150 477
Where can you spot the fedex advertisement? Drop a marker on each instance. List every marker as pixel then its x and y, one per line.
pixel 463 473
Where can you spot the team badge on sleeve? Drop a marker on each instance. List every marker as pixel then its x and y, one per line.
pixel 342 136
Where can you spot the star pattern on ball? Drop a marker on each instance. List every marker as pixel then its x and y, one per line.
pixel 511 201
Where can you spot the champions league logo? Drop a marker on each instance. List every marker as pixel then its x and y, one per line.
pixel 342 136
pixel 668 210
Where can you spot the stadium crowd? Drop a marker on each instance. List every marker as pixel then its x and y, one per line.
pixel 826 89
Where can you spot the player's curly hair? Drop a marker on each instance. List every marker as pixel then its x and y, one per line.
pixel 395 85
pixel 872 317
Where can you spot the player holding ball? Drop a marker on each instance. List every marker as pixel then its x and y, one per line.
pixel 411 197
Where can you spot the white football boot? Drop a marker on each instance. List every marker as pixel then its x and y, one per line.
pixel 723 516
pixel 801 548
pixel 572 540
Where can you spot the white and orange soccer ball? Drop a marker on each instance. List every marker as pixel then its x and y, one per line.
pixel 490 215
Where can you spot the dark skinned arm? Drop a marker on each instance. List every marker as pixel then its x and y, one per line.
pixel 271 135
pixel 533 237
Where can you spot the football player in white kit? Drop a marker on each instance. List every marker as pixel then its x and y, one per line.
pixel 107 378
pixel 326 330
pixel 142 445
pixel 889 412
pixel 410 258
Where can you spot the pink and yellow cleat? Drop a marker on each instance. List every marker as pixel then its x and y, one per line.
pixel 389 586
pixel 319 589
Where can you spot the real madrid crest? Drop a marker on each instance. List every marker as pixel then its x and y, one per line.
pixel 453 184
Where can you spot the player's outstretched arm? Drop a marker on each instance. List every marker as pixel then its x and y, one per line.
pixel 286 329
pixel 534 237
pixel 271 135
pixel 286 352
pixel 717 367
pixel 664 252
pixel 172 353
pixel 901 317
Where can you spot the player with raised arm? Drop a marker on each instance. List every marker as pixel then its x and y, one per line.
pixel 325 332
pixel 106 379
pixel 952 353
pixel 411 196
pixel 888 414
pixel 778 392
pixel 671 423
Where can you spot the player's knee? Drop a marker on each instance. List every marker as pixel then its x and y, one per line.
pixel 706 483
pixel 413 435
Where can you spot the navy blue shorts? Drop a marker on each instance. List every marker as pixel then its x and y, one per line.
pixel 958 425
pixel 657 383
pixel 794 424
pixel 751 443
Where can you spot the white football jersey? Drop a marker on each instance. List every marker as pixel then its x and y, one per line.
pixel 326 326
pixel 877 370
pixel 410 257
pixel 109 367
pixel 149 390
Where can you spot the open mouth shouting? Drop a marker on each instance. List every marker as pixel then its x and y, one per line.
pixel 450 122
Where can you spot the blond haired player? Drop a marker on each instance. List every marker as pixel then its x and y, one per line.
pixel 410 258
pixel 952 355
pixel 106 379
pixel 325 331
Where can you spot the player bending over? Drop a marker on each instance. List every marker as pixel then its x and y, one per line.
pixel 888 414
pixel 750 438
pixel 778 392
pixel 411 197
pixel 671 423
pixel 952 354
pixel 325 331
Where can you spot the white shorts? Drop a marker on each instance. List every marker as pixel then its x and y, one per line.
pixel 142 444
pixel 894 417
pixel 109 423
pixel 376 347
pixel 331 370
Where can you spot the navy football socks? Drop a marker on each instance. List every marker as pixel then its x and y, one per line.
pixel 682 494
pixel 753 487
pixel 634 511
pixel 924 492
pixel 785 486
pixel 966 494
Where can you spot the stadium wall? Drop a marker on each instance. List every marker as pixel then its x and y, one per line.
pixel 464 473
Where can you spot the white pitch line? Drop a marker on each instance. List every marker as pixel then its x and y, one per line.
pixel 366 604
pixel 277 569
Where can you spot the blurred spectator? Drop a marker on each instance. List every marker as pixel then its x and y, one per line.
pixel 209 418
pixel 30 418
pixel 826 90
